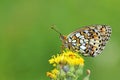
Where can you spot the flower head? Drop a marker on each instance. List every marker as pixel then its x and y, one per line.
pixel 67 57
pixel 53 74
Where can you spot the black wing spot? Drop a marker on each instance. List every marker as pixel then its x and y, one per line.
pixel 99 45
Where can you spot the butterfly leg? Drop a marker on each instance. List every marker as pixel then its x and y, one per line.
pixel 62 48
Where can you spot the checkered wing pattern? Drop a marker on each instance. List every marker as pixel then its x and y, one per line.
pixel 89 40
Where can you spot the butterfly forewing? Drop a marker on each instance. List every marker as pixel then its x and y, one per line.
pixel 89 40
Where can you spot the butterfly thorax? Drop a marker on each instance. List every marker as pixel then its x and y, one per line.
pixel 64 41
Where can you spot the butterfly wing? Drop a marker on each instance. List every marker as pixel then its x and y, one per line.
pixel 89 40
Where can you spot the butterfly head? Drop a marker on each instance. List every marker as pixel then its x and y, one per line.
pixel 63 38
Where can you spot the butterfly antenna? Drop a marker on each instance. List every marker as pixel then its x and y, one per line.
pixel 53 27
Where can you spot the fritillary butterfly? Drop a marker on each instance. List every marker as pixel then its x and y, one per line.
pixel 89 40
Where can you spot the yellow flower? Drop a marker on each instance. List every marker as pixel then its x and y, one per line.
pixel 67 57
pixel 53 74
pixel 55 71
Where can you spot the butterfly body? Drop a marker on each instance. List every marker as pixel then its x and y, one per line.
pixel 89 40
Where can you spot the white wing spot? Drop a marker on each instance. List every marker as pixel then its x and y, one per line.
pixel 81 37
pixel 69 40
pixel 81 41
pixel 77 34
pixel 83 47
pixel 73 40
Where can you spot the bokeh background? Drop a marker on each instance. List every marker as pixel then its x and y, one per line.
pixel 27 42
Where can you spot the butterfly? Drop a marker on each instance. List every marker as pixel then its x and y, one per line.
pixel 88 40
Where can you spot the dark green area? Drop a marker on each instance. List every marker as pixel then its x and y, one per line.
pixel 27 42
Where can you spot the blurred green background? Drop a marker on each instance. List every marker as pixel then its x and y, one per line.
pixel 27 42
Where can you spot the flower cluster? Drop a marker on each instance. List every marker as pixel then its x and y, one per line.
pixel 68 66
pixel 67 57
